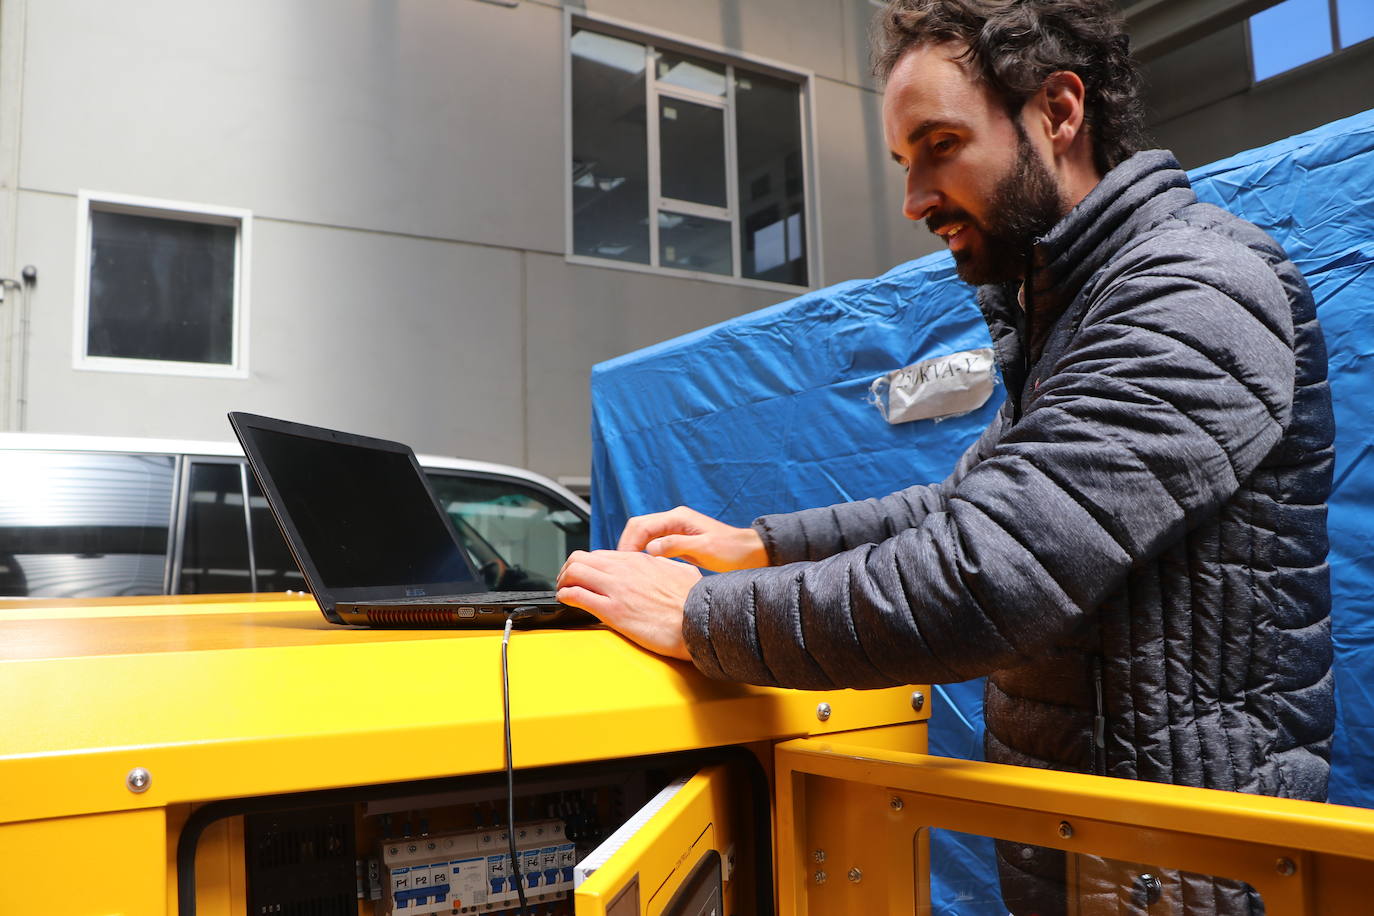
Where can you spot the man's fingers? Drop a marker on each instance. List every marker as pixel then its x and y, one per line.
pixel 590 572
pixel 674 546
pixel 642 529
pixel 577 596
pixel 575 556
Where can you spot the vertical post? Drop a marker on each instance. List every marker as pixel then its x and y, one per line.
pixel 12 33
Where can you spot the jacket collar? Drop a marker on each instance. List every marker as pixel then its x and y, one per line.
pixel 1137 193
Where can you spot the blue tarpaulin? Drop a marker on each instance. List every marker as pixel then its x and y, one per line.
pixel 770 412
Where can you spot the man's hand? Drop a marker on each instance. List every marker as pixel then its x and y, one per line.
pixel 686 534
pixel 638 595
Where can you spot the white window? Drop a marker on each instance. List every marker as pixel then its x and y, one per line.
pixel 685 160
pixel 162 287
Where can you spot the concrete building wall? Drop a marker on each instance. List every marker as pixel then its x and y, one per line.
pixel 1204 106
pixel 405 164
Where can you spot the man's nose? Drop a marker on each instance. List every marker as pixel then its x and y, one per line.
pixel 920 199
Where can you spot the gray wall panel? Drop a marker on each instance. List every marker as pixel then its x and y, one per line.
pixel 858 20
pixel 800 33
pixel 1198 75
pixel 860 188
pixel 1318 93
pixel 582 315
pixel 397 337
pixel 427 117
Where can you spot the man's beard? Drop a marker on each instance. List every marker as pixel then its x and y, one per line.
pixel 1025 205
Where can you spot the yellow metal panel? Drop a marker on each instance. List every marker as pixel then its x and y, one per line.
pixel 663 852
pixel 97 865
pixel 823 785
pixel 145 606
pixel 199 699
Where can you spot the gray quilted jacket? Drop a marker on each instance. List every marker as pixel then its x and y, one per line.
pixel 1134 552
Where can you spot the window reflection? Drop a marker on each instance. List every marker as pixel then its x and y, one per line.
pixel 83 526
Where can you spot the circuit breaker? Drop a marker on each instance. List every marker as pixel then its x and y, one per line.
pixel 471 871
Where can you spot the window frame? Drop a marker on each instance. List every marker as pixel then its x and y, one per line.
pixel 1337 48
pixel 89 202
pixel 658 39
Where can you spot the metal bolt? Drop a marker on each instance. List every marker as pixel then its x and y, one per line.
pixel 820 877
pixel 818 855
pixel 918 700
pixel 1065 830
pixel 1286 866
pixel 823 712
pixel 896 803
pixel 138 780
pixel 855 875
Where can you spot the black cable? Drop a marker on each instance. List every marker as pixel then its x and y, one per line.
pixel 510 765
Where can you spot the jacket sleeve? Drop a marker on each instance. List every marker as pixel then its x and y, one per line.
pixel 814 534
pixel 1176 385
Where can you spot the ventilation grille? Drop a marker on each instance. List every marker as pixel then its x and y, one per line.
pixel 310 843
pixel 301 863
pixel 412 617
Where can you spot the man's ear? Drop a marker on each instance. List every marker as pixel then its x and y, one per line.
pixel 1061 106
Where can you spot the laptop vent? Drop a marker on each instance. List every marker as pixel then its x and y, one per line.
pixel 412 617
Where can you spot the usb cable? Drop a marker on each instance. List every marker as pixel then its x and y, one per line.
pixel 515 613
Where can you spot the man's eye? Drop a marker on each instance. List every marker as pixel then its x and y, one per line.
pixel 940 147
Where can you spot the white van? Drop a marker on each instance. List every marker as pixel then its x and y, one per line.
pixel 91 516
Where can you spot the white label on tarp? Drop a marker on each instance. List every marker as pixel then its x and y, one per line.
pixel 946 386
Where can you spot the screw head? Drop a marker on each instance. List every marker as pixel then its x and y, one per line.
pixel 896 803
pixel 818 855
pixel 918 700
pixel 823 712
pixel 1065 830
pixel 138 780
pixel 820 877
pixel 1286 867
pixel 855 876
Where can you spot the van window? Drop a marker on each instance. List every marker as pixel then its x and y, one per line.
pixel 215 549
pixel 531 531
pixel 277 569
pixel 75 525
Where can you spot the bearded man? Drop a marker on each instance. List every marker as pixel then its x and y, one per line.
pixel 1134 551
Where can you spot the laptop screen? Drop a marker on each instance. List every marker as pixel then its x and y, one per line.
pixel 364 516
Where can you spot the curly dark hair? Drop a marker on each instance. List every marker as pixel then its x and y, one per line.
pixel 1013 45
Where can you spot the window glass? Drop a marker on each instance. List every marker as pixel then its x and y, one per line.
pixel 277 569
pixel 518 536
pixel 215 552
pixel 1356 19
pixel 692 145
pixel 81 526
pixel 1289 34
pixel 161 289
pixel 694 242
pixel 702 150
pixel 610 171
pixel 771 184
pixel 688 73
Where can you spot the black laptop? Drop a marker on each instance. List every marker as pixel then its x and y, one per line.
pixel 369 534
